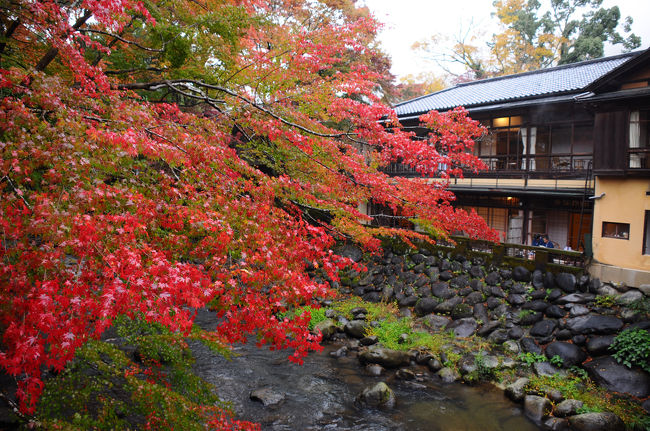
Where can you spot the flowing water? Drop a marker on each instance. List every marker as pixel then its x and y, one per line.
pixel 319 395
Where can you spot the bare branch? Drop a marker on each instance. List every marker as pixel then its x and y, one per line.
pixel 52 53
pixel 17 191
pixel 120 38
pixel 170 83
pixel 135 69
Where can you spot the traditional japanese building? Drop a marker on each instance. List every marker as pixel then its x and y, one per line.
pixel 569 156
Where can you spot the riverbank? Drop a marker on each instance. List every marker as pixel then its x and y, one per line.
pixel 558 345
pixel 571 349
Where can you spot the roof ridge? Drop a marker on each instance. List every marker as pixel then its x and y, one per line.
pixel 550 69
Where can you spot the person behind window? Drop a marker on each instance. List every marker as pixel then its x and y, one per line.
pixel 537 240
pixel 546 242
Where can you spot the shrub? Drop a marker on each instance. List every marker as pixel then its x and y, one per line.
pixel 632 348
pixel 557 361
pixel 605 301
pixel 529 358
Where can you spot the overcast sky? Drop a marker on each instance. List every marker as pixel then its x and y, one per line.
pixel 407 21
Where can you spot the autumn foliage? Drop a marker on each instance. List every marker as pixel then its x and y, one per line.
pixel 159 156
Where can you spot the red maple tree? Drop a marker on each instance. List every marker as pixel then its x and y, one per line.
pixel 160 156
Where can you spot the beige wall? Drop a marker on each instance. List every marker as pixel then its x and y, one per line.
pixel 625 201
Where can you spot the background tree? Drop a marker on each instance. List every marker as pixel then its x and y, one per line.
pixel 534 35
pixel 158 157
pixel 411 86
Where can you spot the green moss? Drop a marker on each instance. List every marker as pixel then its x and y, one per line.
pixel 105 388
pixel 594 397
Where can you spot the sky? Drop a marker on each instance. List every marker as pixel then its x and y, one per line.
pixel 407 21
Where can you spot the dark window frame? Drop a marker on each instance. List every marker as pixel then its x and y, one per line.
pixel 645 246
pixel 622 230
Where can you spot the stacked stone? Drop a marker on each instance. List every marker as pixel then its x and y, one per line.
pixel 523 311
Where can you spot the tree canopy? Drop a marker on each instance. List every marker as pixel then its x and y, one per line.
pixel 534 35
pixel 164 155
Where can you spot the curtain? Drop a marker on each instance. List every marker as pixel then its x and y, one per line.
pixel 635 139
pixel 531 147
pixel 524 135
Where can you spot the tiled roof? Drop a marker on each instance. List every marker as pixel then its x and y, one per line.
pixel 569 78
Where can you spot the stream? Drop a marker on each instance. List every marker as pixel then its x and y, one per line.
pixel 319 395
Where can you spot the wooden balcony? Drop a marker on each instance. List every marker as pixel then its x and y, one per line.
pixel 533 166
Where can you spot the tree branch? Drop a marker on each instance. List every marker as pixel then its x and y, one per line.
pixel 52 53
pixel 170 83
pixel 120 38
pixel 13 27
pixel 135 69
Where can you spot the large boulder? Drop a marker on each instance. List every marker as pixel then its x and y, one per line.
pixel 594 324
pixel 498 337
pixel 597 346
pixel 463 327
pixel 326 327
pixel 480 312
pixel 448 305
pixel 385 357
pixel 529 345
pixel 601 421
pixel 418 258
pixel 493 278
pixel 543 328
pixel 519 273
pixel 267 396
pixel 575 298
pixel 356 328
pixel 425 306
pixel 629 297
pixel 567 408
pixel 566 282
pixel 379 395
pixel 517 391
pixel 570 353
pixel 459 282
pixel 618 378
pixel 448 375
pixel 555 311
pixel 461 311
pixel 435 322
pixel 476 272
pixel 474 298
pixel 441 290
pixel 537 408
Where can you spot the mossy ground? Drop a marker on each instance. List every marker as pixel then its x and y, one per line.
pixel 141 380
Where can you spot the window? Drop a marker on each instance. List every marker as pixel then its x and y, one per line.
pixel 616 230
pixel 639 148
pixel 508 142
pixel 565 146
pixel 646 233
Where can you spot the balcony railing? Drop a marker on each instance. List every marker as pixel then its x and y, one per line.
pixel 528 256
pixel 547 165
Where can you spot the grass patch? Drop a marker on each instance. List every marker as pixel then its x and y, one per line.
pixel 317 315
pixel 376 311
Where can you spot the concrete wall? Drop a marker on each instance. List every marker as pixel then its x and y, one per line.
pixel 625 201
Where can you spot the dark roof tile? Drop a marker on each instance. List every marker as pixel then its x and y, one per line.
pixel 555 80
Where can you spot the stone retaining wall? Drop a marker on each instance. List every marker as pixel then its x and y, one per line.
pixel 570 316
